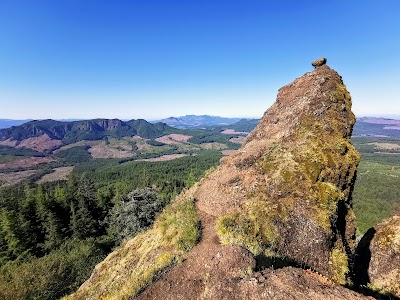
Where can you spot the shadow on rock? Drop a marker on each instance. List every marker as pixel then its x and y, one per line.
pixel 363 258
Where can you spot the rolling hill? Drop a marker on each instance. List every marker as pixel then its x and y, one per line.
pixel 62 133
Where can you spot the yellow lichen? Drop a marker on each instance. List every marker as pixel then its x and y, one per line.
pixel 388 283
pixel 389 235
pixel 339 265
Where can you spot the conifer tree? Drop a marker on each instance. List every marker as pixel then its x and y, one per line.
pixel 54 236
pixel 11 233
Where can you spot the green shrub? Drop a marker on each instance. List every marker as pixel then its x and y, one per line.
pixel 135 213
pixel 52 276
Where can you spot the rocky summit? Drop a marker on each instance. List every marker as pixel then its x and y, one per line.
pixel 276 217
pixel 287 192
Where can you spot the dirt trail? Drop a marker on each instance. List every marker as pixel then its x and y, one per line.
pixel 185 281
pixel 215 271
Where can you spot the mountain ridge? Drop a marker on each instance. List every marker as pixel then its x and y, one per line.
pixel 95 129
pixel 198 121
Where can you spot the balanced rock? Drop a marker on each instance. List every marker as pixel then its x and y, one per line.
pixel 378 257
pixel 319 62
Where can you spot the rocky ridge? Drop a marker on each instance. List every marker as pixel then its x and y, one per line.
pixel 283 200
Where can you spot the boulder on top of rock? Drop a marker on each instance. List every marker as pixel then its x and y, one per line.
pixel 319 62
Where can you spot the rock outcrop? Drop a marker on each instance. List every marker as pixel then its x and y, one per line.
pixel 287 191
pixel 282 200
pixel 378 258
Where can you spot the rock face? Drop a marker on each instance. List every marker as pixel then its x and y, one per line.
pixel 283 199
pixel 378 263
pixel 287 191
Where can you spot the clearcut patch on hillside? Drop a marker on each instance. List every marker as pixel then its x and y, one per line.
pixel 60 173
pixel 15 177
pixel 238 139
pixel 106 151
pixel 174 138
pixel 164 157
pixel 25 163
pixel 233 131
pixel 39 143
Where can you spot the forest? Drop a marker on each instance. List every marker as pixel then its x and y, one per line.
pixel 53 234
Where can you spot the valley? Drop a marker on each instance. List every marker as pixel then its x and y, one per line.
pixel 44 146
pixel 41 184
pixel 112 144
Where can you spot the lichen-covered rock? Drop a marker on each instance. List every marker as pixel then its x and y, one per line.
pixel 287 191
pixel 380 256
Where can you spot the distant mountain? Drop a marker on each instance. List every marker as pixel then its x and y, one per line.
pixel 70 132
pixel 378 127
pixel 365 126
pixel 244 125
pixel 195 121
pixel 7 123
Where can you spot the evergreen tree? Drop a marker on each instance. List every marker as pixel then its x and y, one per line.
pixel 54 236
pixel 136 212
pixel 31 226
pixel 73 225
pixel 11 232
pixel 85 225
pixel 85 214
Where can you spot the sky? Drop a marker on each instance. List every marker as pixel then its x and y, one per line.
pixel 155 59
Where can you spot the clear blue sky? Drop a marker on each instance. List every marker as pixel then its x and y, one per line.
pixel 152 59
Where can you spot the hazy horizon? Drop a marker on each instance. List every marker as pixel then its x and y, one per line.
pixel 389 116
pixel 153 60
